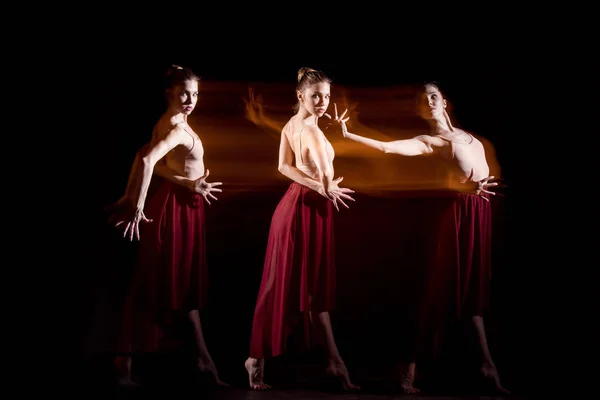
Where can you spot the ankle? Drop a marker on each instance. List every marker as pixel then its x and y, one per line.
pixel 123 373
pixel 253 361
pixel 123 368
pixel 335 360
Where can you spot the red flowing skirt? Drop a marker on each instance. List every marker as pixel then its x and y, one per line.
pixel 299 270
pixel 458 283
pixel 170 276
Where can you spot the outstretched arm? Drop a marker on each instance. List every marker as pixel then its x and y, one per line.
pixel 139 181
pixel 133 183
pixel 416 146
pixel 419 145
pixel 161 169
pixel 149 160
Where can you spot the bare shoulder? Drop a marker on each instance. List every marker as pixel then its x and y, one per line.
pixel 286 131
pixel 287 128
pixel 435 141
pixel 312 132
pixel 180 129
pixel 164 130
pixel 479 138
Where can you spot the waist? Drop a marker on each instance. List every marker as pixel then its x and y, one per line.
pixel 309 169
pixel 190 169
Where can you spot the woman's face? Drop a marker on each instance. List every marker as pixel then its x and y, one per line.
pixel 431 103
pixel 315 98
pixel 183 97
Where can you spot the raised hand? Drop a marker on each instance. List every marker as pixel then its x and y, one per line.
pixel 253 109
pixel 204 188
pixel 339 119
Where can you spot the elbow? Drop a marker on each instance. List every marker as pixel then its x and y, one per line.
pixel 327 173
pixel 148 162
pixel 282 168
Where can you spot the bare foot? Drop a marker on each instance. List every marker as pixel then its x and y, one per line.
pixel 338 370
pixel 490 372
pixel 123 373
pixel 256 370
pixel 407 379
pixel 209 366
pixel 124 381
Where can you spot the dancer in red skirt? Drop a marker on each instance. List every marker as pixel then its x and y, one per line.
pixel 459 283
pixel 170 279
pixel 298 282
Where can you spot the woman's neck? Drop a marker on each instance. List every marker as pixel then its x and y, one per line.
pixel 306 117
pixel 174 117
pixel 439 125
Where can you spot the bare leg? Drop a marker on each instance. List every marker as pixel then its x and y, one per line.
pixel 205 362
pixel 408 379
pixel 336 366
pixel 256 371
pixel 123 369
pixel 488 368
pixel 256 366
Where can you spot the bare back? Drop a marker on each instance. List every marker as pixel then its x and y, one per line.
pixel 186 159
pixel 295 130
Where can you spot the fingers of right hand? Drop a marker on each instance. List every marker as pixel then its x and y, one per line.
pixel 345 196
pixel 335 205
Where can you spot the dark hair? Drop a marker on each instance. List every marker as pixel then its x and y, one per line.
pixel 421 89
pixel 308 77
pixel 443 89
pixel 436 84
pixel 177 75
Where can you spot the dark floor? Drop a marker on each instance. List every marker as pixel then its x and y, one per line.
pixel 291 379
pixel 297 394
pixel 300 390
pixel 291 392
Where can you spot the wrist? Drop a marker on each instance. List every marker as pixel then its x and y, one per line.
pixel 317 186
pixel 190 184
